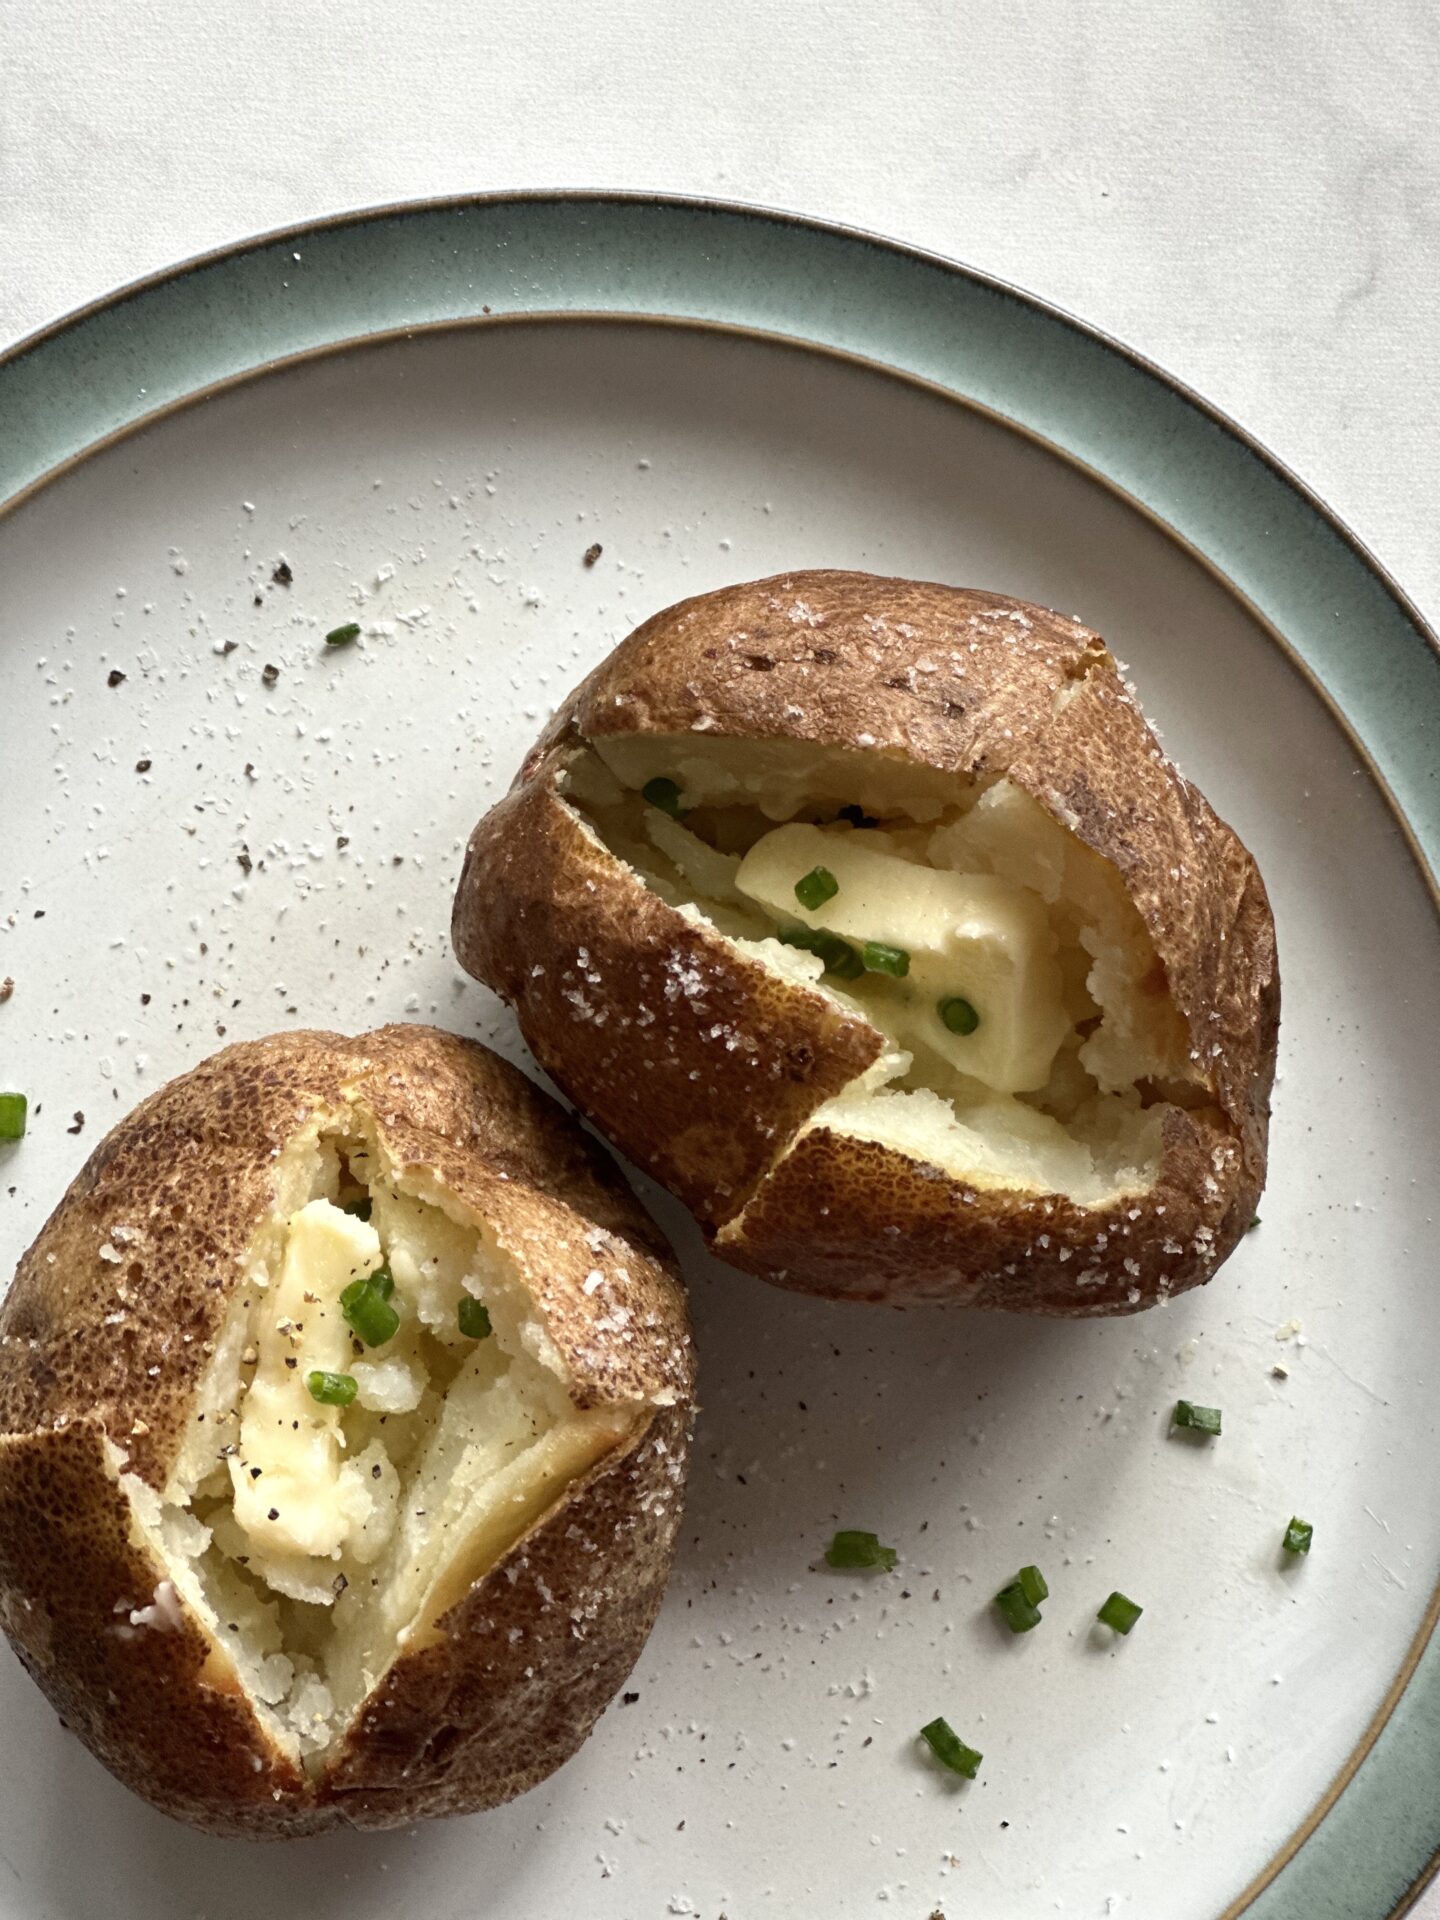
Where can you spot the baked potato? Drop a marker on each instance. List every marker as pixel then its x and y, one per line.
pixel 344 1411
pixel 869 917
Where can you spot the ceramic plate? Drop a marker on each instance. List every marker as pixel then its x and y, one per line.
pixel 429 415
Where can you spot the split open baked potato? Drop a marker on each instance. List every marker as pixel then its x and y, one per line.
pixel 344 1411
pixel 869 917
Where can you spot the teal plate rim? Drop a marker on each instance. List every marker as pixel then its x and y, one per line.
pixel 1371 1844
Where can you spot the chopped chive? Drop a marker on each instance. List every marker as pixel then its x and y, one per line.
pixel 664 794
pixel 958 1015
pixel 382 1280
pixel 1119 1613
pixel 473 1318
pixel 853 1548
pixel 878 958
pixel 331 1389
pixel 841 959
pixel 818 886
pixel 367 1309
pixel 360 1208
pixel 1196 1419
pixel 1298 1536
pixel 342 636
pixel 838 956
pixel 950 1750
pixel 13 1109
pixel 1033 1584
pixel 1018 1611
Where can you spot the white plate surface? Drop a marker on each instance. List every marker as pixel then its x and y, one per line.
pixel 442 491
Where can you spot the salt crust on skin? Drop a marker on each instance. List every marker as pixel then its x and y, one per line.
pixel 708 1068
pixel 100 1364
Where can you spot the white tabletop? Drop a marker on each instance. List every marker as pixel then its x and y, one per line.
pixel 1250 196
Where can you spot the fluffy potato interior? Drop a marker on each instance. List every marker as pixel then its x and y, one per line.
pixel 384 1416
pixel 1032 1041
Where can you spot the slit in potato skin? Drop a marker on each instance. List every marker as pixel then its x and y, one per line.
pixel 875 683
pixel 134 1654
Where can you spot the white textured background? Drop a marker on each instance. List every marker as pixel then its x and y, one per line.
pixel 1249 194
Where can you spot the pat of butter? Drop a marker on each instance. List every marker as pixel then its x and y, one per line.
pixel 296 1502
pixel 971 936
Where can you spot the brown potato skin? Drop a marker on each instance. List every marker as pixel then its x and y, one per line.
pixel 943 677
pixel 454 1725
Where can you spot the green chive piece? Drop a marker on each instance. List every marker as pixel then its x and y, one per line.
pixel 360 1208
pixel 1019 1613
pixel 950 1750
pixel 1196 1419
pixel 958 1015
pixel 342 636
pixel 664 794
pixel 367 1309
pixel 878 958
pixel 818 886
pixel 841 959
pixel 473 1318
pixel 1298 1536
pixel 382 1280
pixel 13 1109
pixel 1033 1585
pixel 838 956
pixel 331 1389
pixel 1119 1613
pixel 1253 1224
pixel 853 1548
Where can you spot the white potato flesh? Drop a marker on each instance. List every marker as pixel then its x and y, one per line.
pixel 290 1493
pixel 366 1521
pixel 1055 1091
pixel 970 936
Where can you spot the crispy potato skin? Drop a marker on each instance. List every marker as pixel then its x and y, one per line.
pixel 942 677
pixel 178 1190
pixel 660 1031
pixel 480 1716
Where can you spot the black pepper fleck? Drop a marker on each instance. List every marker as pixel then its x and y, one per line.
pixel 114 678
pixel 282 576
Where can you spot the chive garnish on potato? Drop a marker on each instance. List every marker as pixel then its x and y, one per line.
pixel 664 794
pixel 958 1015
pixel 473 1318
pixel 818 886
pixel 331 1389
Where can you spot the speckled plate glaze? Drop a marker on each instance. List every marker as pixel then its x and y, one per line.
pixel 215 827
